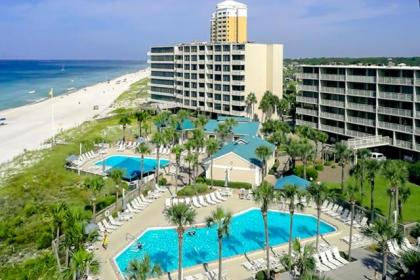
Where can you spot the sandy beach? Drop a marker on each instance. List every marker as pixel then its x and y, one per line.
pixel 30 125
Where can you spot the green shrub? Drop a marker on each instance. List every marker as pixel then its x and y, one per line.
pixel 328 163
pixel 415 232
pixel 333 166
pixel 44 240
pixel 233 185
pixel 102 203
pixel 319 167
pixel 414 172
pixel 163 181
pixel 311 172
pixel 191 190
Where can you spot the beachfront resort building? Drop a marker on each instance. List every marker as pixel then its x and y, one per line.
pixel 354 101
pixel 238 162
pixel 229 23
pixel 216 77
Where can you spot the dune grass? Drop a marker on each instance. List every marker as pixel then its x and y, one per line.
pixel 136 91
pixel 411 209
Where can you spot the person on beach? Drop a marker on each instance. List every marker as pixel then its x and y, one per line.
pixel 105 241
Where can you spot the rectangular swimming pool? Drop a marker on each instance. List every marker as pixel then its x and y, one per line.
pixel 246 235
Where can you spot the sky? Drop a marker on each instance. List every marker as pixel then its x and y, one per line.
pixel 126 29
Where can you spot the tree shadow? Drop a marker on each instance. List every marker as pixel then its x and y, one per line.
pixel 254 236
pixel 164 260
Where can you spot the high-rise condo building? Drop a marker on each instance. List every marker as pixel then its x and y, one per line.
pixel 216 77
pixel 360 101
pixel 229 23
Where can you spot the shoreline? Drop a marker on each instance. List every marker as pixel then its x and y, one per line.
pixel 30 125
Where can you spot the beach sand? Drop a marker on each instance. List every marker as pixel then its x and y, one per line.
pixel 29 126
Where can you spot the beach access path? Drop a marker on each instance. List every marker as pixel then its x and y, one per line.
pixel 29 126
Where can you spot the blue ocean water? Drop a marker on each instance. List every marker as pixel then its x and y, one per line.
pixel 246 235
pixel 28 81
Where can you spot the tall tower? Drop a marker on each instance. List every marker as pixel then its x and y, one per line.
pixel 229 22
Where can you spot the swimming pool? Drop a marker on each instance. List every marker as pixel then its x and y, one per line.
pixel 132 164
pixel 246 235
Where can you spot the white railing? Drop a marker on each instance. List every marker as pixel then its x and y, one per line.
pixel 361 92
pixel 395 111
pixel 305 111
pixel 333 116
pixel 334 129
pixel 396 80
pixel 363 107
pixel 417 130
pixel 332 90
pixel 417 81
pixel 365 79
pixel 368 142
pixel 395 95
pixel 308 88
pixel 361 121
pixel 305 99
pixel 358 134
pixel 394 126
pixel 334 103
pixel 417 147
pixel 333 77
pixel 307 123
pixel 403 144
pixel 312 76
pixel 418 114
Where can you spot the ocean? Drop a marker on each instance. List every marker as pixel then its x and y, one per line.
pixel 27 81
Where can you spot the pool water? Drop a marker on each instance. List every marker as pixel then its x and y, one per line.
pixel 132 165
pixel 246 235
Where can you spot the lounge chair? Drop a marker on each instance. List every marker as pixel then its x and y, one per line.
pixel 333 210
pixel 331 258
pixel 187 201
pixel 209 200
pixel 131 209
pixel 319 266
pixel 101 227
pixel 145 199
pixel 114 222
pixel 107 225
pixel 214 198
pixel 337 256
pixel 162 190
pixel 250 267
pixel 344 215
pixel 397 246
pixel 392 249
pixel 140 202
pixel 326 262
pixel 219 196
pixel 137 206
pixel 168 203
pixel 338 212
pixel 195 202
pixel 124 216
pixel 202 201
pixel 325 205
pixel 409 246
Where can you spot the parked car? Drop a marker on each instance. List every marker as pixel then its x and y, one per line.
pixel 377 156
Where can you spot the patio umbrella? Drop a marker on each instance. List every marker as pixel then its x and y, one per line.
pixel 226 178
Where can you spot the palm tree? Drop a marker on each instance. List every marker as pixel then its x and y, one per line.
pixel 230 123
pixel 170 134
pixel 189 146
pixel 222 220
pixel 200 121
pixel 292 149
pixel 292 195
pixel 306 150
pixel 198 138
pixel 82 263
pixel 116 175
pixel 143 149
pixel 181 116
pixel 282 108
pixel 403 196
pixel 265 195
pixel 373 167
pixel 58 212
pixel 301 261
pixel 250 101
pixel 124 121
pixel 159 140
pixel 180 215
pixel 223 132
pixel 177 151
pixel 141 116
pixel 382 231
pixel 350 194
pixel 267 105
pixel 408 266
pixel 143 269
pixel 192 160
pixel 263 152
pixel 161 119
pixel 343 155
pixel 318 193
pixel 212 146
pixel 321 137
pixel 95 185
pixel 396 173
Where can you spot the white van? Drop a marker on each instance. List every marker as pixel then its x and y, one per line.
pixel 377 156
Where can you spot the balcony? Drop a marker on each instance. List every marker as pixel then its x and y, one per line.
pixel 333 103
pixel 361 92
pixel 361 121
pixel 417 130
pixel 361 79
pixel 310 76
pixel 396 96
pixel 238 72
pixel 304 99
pixel 304 111
pixel 417 147
pixel 397 127
pixel 417 81
pixel 332 116
pixel 238 83
pixel 396 80
pixel 308 88
pixel 395 111
pixel 332 77
pixel 403 144
pixel 333 90
pixel 238 62
pixel 333 129
pixel 361 107
pixel 307 123
pixel 418 114
pixel 358 134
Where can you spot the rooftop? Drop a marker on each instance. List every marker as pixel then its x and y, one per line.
pixel 230 4
pixel 397 67
pixel 291 180
pixel 245 148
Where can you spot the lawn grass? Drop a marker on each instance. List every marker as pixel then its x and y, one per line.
pixel 411 209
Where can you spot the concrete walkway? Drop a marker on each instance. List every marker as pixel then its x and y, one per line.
pixel 152 217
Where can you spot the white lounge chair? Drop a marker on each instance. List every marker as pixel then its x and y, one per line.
pixel 219 196
pixel 101 227
pixel 168 203
pixel 131 209
pixel 113 221
pixel 392 249
pixel 338 212
pixel 125 216
pixel 202 201
pixel 187 201
pixel 319 266
pixel 107 225
pixel 325 261
pixel 409 246
pixel 137 206
pixel 209 200
pixel 331 258
pixel 337 256
pixel 333 210
pixel 145 199
pixel 140 202
pixel 344 215
pixel 325 205
pixel 195 202
pixel 214 198
pixel 397 246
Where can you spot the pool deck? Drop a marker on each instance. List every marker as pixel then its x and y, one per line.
pixel 152 216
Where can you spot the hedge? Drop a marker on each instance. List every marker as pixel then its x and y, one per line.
pixel 233 185
pixel 190 190
pixel 311 172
